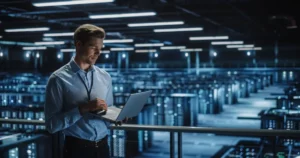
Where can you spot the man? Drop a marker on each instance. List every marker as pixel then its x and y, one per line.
pixel 75 90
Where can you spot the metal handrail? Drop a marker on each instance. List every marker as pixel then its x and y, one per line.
pixel 274 134
pixel 219 131
pixel 22 121
pixel 22 141
pixel 184 129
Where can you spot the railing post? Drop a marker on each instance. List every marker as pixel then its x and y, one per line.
pixel 179 145
pixel 111 143
pixel 274 146
pixel 4 154
pixel 22 150
pixel 172 147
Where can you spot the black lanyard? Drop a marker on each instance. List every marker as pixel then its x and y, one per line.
pixel 88 90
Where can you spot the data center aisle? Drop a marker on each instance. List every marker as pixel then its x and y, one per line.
pixel 206 145
pixel 247 107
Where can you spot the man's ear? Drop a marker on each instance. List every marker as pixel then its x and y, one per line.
pixel 78 44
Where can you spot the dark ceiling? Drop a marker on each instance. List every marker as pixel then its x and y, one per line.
pixel 253 21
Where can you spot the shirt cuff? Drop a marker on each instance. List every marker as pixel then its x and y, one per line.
pixel 74 115
pixel 107 124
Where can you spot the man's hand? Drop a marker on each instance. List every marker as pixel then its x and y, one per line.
pixel 119 123
pixel 92 106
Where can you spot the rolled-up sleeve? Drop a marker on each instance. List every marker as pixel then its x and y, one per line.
pixel 57 120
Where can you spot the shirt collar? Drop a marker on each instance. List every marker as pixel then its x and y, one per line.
pixel 75 68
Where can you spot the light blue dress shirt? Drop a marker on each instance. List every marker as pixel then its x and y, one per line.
pixel 65 91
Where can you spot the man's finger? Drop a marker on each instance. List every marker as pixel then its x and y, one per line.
pixel 118 123
pixel 104 106
pixel 102 101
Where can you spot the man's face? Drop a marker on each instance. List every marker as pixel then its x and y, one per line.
pixel 90 50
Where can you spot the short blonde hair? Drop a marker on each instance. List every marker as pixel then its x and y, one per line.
pixel 87 31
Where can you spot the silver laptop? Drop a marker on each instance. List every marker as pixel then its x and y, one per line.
pixel 132 108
